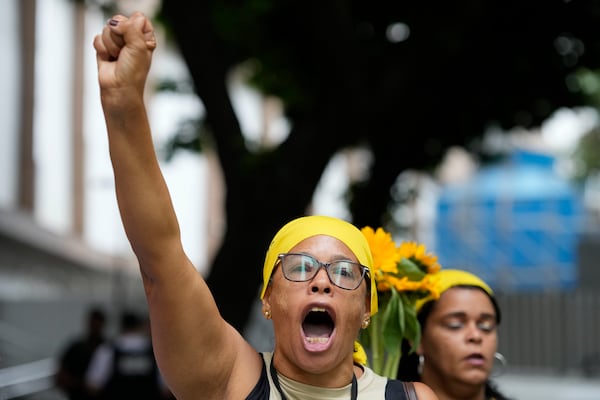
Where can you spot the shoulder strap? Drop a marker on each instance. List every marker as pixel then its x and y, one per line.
pixel 409 389
pixel 400 390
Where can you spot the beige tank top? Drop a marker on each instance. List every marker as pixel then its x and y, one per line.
pixel 370 387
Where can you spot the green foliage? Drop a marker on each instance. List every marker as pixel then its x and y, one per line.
pixel 188 136
pixel 586 156
pixel 408 268
pixel 393 322
pixel 259 42
pixel 396 322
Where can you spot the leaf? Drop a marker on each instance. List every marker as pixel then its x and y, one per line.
pixel 412 331
pixel 409 269
pixel 393 323
pixel 400 311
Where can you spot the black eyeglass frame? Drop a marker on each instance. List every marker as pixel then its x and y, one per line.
pixel 364 270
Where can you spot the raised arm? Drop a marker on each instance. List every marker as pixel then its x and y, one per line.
pixel 197 351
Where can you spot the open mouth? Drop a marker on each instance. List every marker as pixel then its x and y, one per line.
pixel 317 326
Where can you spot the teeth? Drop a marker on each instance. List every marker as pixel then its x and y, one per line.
pixel 317 339
pixel 318 309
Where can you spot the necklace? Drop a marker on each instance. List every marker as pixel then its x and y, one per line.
pixel 275 378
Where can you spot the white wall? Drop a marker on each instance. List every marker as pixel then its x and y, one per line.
pixel 9 101
pixel 53 114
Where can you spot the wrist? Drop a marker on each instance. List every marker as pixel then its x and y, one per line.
pixel 121 100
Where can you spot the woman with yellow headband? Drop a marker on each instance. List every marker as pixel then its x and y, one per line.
pixel 317 288
pixel 459 339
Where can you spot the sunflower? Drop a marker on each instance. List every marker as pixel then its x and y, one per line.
pixel 402 276
pixel 384 251
pixel 417 253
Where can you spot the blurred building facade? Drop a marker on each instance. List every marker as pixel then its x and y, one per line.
pixel 49 272
pixel 525 229
pixel 516 224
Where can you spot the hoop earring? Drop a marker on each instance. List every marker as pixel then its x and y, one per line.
pixel 503 365
pixel 421 364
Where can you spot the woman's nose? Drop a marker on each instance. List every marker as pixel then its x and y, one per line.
pixel 474 334
pixel 321 282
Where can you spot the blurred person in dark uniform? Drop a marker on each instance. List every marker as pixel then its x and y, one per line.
pixel 125 368
pixel 75 358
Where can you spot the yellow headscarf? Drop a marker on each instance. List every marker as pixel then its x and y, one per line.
pixel 302 228
pixel 446 278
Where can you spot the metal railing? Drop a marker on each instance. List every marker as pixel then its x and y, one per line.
pixel 553 332
pixel 26 379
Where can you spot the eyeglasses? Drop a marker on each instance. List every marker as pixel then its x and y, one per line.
pixel 344 274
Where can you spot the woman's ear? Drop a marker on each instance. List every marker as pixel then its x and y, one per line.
pixel 366 319
pixel 266 307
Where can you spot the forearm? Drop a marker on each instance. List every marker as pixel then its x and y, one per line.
pixel 144 202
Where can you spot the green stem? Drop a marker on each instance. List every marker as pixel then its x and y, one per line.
pixel 391 364
pixel 376 346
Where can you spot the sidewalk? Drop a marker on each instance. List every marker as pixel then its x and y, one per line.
pixel 548 387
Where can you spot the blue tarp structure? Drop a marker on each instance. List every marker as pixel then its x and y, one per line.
pixel 516 224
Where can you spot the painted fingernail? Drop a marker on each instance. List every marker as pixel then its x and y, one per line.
pixel 113 22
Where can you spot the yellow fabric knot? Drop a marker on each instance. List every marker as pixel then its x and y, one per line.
pixel 359 356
